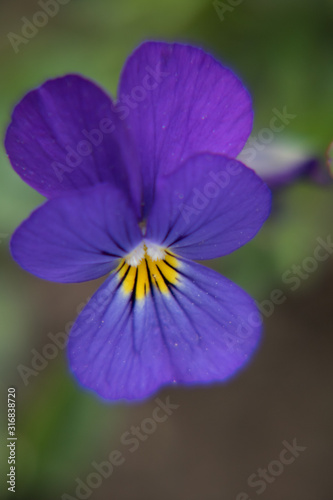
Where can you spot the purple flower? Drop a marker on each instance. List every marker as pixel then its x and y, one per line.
pixel 284 162
pixel 138 189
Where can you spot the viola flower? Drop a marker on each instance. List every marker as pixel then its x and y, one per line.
pixel 138 189
pixel 283 163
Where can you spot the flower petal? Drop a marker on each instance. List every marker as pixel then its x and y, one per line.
pixel 182 102
pixel 283 163
pixel 65 135
pixel 77 237
pixel 209 207
pixel 198 330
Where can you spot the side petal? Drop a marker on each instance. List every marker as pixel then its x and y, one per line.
pixel 66 135
pixel 200 329
pixel 209 207
pixel 182 102
pixel 78 237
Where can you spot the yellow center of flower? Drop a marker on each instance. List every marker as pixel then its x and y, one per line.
pixel 148 268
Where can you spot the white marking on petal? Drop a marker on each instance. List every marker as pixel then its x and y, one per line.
pixel 135 256
pixel 155 252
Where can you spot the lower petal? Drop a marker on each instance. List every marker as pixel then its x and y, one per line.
pixel 191 326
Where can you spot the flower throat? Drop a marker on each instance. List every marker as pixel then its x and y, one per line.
pixel 148 269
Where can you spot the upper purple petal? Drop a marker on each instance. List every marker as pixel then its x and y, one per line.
pixel 77 237
pixel 178 101
pixel 65 135
pixel 209 207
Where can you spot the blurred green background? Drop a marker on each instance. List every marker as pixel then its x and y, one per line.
pixel 283 51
